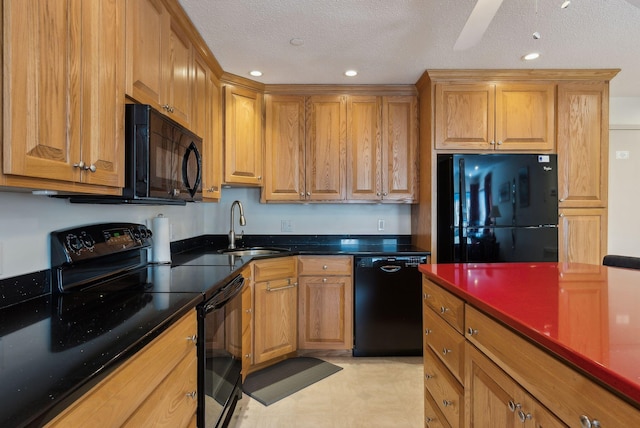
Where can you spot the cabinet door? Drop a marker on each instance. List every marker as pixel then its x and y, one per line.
pixel 242 136
pixel 275 319
pixel 179 74
pixel 582 235
pixel 103 68
pixel 464 116
pixel 364 148
pixel 147 20
pixel 326 147
pixel 42 81
pixel 284 148
pixel 399 148
pixel 325 312
pixel 205 122
pixel 493 399
pixel 525 116
pixel 583 151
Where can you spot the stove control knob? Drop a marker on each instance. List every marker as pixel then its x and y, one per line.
pixel 87 241
pixel 74 244
pixel 136 234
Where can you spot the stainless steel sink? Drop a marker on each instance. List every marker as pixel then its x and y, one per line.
pixel 253 251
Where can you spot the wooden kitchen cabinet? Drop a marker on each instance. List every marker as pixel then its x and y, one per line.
pixel 159 60
pixel 444 356
pixel 155 387
pixel 206 123
pixel 582 235
pixel 325 155
pixel 495 116
pixel 64 80
pixel 275 308
pixel 325 302
pixel 242 136
pixel 496 400
pixel 284 167
pixel 382 148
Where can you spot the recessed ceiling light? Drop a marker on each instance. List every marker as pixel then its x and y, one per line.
pixel 565 4
pixel 350 73
pixel 531 56
pixel 296 41
pixel 255 73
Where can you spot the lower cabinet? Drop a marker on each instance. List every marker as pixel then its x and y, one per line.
pixel 325 301
pixel 275 308
pixel 155 387
pixel 506 381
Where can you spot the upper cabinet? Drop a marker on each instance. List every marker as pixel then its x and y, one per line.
pixel 64 82
pixel 242 136
pixel 583 144
pixel 326 147
pixel 159 60
pixel 206 122
pixel 382 148
pixel 341 148
pixel 495 116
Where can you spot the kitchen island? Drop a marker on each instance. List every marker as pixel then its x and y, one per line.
pixel 564 337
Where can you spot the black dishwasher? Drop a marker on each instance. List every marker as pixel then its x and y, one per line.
pixel 388 306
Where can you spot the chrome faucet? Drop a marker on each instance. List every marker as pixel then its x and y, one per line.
pixel 243 222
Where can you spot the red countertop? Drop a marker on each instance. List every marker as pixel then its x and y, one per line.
pixel 587 315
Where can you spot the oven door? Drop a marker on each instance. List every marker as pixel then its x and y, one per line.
pixel 220 355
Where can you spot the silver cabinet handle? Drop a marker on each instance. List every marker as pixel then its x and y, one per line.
pixel 192 394
pixel 91 168
pixel 513 405
pixel 446 351
pixel 427 296
pixel 586 422
pixel 472 331
pixel 79 165
pixel 295 284
pixel 193 338
pixel 443 309
pixel 447 403
pixel 524 416
pixel 427 331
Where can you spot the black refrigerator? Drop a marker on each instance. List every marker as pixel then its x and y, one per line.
pixel 497 208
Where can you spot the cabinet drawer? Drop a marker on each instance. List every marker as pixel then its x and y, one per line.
pixel 325 265
pixel 564 391
pixel 433 417
pixel 450 307
pixel 445 342
pixel 282 267
pixel 446 392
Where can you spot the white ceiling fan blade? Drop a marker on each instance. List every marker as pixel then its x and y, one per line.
pixel 477 24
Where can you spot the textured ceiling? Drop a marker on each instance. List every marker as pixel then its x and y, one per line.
pixel 395 41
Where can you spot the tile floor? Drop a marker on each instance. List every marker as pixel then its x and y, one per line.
pixel 368 392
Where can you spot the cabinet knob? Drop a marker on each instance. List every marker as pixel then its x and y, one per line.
pixel 447 403
pixel 91 168
pixel 324 279
pixel 513 405
pixel 561 200
pixel 446 351
pixel 443 309
pixel 493 143
pixel 428 419
pixel 561 215
pixel 524 416
pixel 586 422
pixel 472 331
pixel 384 193
pixel 499 142
pixel 193 338
pixel 192 394
pixel 377 193
pixel 259 177
pixel 308 193
pixel 428 376
pixel 325 267
pixel 247 356
pixel 427 331
pixel 79 165
pixel 302 194
pixel 248 310
pixel 427 295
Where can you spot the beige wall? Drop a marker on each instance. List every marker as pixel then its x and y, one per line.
pixel 624 177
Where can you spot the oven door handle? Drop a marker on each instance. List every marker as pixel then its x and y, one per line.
pixel 225 294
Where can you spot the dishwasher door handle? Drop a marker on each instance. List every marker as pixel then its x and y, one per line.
pixel 390 268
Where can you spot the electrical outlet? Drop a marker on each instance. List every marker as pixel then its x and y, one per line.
pixel 286 226
pixel 380 224
pixel 622 154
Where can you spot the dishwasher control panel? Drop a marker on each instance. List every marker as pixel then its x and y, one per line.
pixel 404 261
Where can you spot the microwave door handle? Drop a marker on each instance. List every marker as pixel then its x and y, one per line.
pixel 185 171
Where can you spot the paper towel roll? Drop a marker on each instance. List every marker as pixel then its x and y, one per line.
pixel 161 248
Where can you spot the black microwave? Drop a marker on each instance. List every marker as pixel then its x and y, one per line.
pixel 163 161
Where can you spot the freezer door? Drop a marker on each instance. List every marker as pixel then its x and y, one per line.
pixel 511 244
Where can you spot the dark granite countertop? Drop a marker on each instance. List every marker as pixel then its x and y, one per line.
pixel 49 357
